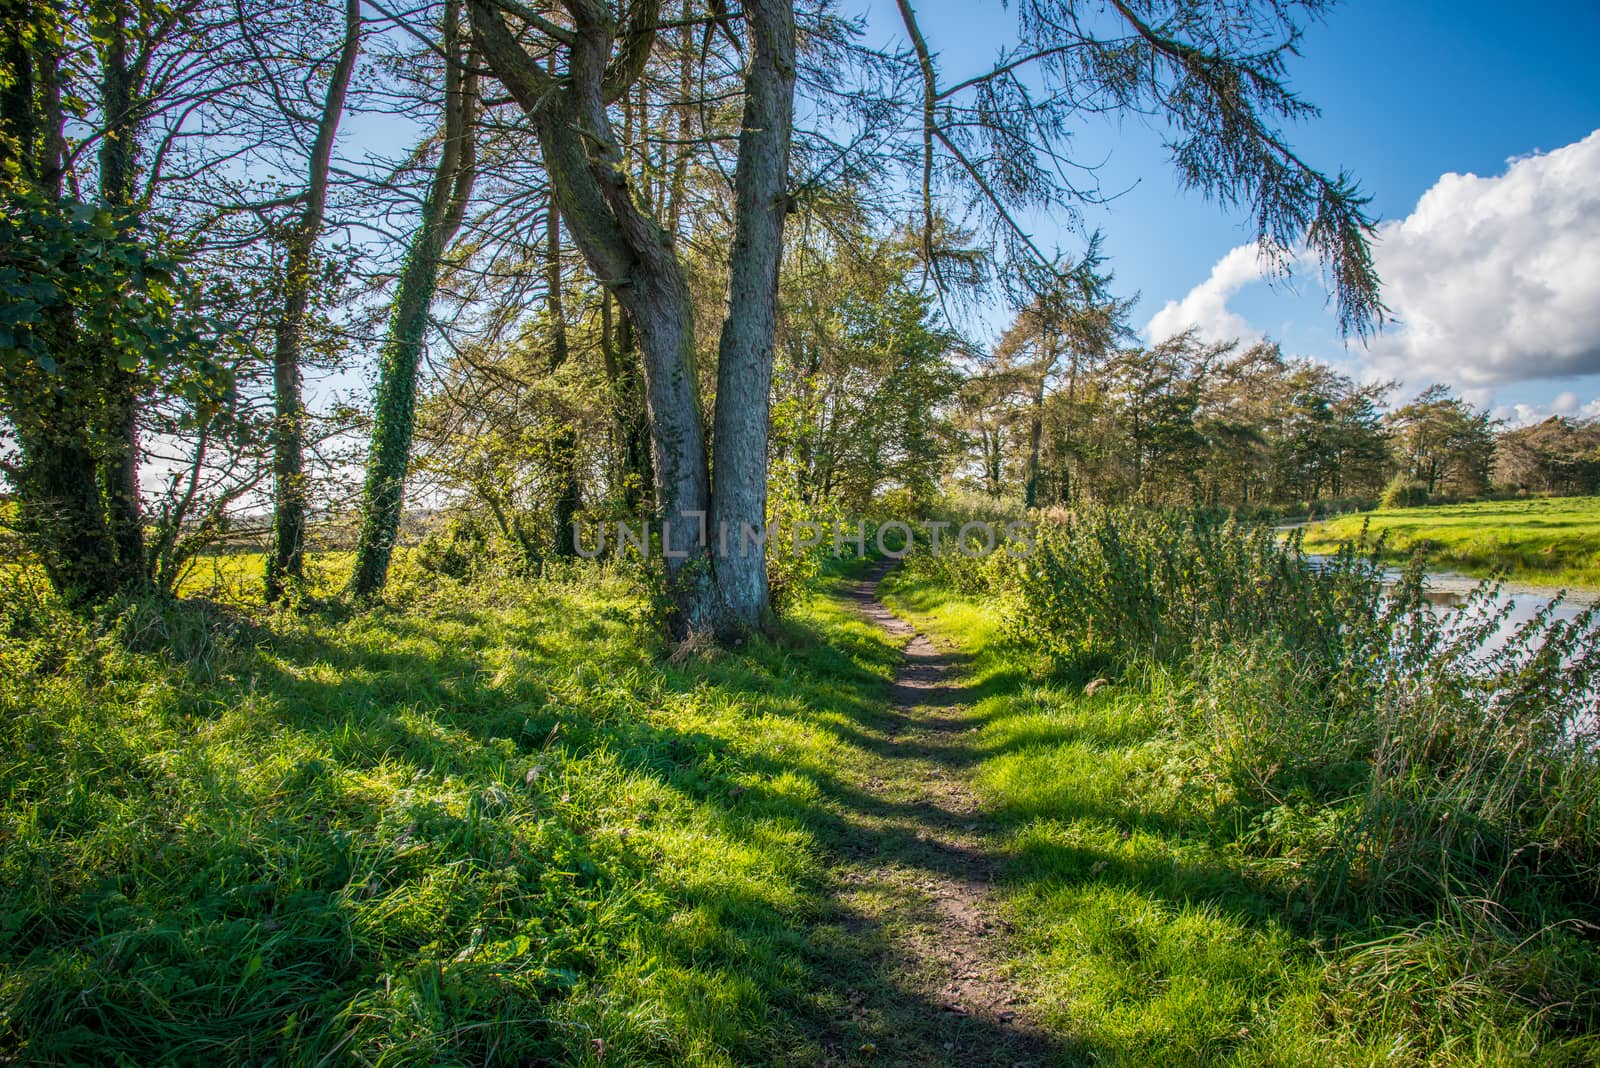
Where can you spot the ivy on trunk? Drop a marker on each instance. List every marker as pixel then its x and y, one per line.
pixel 394 415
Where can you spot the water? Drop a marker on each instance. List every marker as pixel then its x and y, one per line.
pixel 1449 589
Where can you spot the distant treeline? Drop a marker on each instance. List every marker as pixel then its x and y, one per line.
pixel 1185 422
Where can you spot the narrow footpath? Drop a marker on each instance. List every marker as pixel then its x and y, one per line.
pixel 914 911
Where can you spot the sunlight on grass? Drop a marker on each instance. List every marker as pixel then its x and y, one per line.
pixel 1146 935
pixel 1553 541
pixel 486 826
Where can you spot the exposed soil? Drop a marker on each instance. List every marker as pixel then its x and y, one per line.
pixel 913 881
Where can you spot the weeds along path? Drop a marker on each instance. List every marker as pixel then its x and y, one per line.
pixel 913 878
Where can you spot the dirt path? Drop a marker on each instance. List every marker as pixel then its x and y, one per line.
pixel 913 886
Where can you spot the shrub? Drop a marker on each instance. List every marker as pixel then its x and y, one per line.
pixel 791 566
pixel 1402 492
pixel 1124 586
pixel 1419 765
pixel 452 548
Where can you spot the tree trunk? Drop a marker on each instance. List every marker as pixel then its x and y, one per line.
pixel 632 428
pixel 569 494
pixel 744 366
pixel 286 562
pixel 625 246
pixel 119 415
pixel 60 510
pixel 632 254
pixel 1065 489
pixel 1030 489
pixel 395 405
pixel 60 505
pixel 990 447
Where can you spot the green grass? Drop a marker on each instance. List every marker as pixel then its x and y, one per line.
pixel 1150 932
pixel 239 577
pixel 492 824
pixel 1553 541
pixel 488 826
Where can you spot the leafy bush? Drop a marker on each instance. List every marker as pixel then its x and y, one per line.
pixel 451 549
pixel 970 575
pixel 1402 492
pixel 791 566
pixel 1414 764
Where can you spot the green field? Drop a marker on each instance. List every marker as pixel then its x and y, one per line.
pixel 487 827
pixel 495 823
pixel 1551 541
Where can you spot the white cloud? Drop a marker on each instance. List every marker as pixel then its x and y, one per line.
pixel 1563 404
pixel 1205 308
pixel 1477 396
pixel 1492 281
pixel 1497 280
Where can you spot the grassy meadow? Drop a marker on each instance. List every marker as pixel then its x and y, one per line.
pixel 499 822
pixel 488 826
pixel 1549 541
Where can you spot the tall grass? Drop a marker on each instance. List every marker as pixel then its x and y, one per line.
pixel 487 826
pixel 1398 763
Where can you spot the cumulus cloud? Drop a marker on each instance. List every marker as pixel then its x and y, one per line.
pixel 1497 280
pixel 1492 280
pixel 1205 308
pixel 1563 404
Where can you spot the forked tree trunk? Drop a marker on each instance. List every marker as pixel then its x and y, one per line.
pixel 395 405
pixel 286 562
pixel 628 248
pixel 744 366
pixel 631 252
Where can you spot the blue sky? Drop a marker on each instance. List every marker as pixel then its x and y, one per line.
pixel 1409 92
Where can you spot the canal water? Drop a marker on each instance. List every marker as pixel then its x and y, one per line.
pixel 1451 589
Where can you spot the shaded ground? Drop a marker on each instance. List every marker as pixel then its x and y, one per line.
pixel 912 880
pixel 490 826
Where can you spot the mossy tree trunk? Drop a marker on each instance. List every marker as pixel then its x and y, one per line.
pixel 286 561
pixel 394 417
pixel 54 414
pixel 119 415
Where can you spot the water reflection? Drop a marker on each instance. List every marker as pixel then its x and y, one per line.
pixel 1451 589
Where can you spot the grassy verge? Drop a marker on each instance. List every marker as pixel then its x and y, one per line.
pixel 1154 927
pixel 238 577
pixel 489 826
pixel 1547 542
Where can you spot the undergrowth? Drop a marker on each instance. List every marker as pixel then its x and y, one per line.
pixel 1411 789
pixel 488 825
